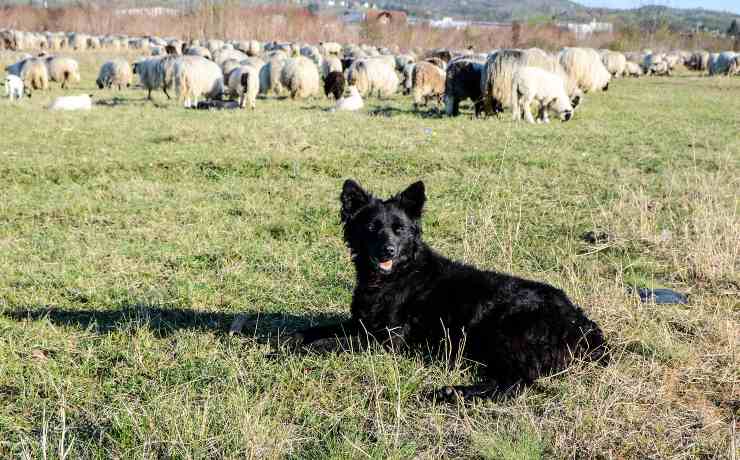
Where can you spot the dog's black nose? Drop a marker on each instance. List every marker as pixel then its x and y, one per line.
pixel 390 250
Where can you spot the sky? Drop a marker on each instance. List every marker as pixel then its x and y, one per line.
pixel 719 5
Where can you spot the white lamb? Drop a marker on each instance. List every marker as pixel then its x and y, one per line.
pixel 531 84
pixel 13 87
pixel 82 102
pixel 352 102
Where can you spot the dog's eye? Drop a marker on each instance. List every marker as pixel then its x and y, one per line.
pixel 397 228
pixel 370 227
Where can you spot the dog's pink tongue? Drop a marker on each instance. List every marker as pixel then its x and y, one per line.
pixel 387 265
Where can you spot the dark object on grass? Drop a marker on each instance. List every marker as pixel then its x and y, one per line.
pixel 596 237
pixel 661 296
pixel 217 105
pixel 408 297
pixel 334 84
pixel 463 82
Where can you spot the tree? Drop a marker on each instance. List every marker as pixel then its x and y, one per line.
pixel 734 29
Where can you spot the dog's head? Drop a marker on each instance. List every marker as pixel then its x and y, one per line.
pixel 383 235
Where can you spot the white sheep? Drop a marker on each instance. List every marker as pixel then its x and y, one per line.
pixel 81 102
pixel 330 64
pixel 35 74
pixel 64 70
pixel 195 77
pixel 584 66
pixel 352 102
pixel 115 73
pixel 374 75
pixel 531 84
pixel 13 87
pixel 300 77
pixel 632 69
pixel 244 82
pixel 614 62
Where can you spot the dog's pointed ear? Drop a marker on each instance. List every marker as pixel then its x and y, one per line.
pixel 353 198
pixel 412 200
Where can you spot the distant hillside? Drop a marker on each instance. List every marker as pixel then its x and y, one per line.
pixel 564 10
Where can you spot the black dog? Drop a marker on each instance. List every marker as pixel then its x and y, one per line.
pixel 407 295
pixel 334 84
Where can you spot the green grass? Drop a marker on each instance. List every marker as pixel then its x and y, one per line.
pixel 131 236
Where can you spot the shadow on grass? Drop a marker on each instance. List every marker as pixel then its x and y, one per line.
pixel 164 322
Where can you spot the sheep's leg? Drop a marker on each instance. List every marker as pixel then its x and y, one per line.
pixel 243 101
pixel 527 110
pixel 164 89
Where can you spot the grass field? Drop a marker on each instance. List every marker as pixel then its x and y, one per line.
pixel 131 236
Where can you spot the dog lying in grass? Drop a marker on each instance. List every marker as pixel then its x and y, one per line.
pixel 409 297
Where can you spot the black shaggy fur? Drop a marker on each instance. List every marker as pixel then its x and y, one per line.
pixel 463 82
pixel 334 84
pixel 410 297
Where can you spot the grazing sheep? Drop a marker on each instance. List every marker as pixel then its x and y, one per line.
pixel 271 74
pixel 428 83
pixel 699 61
pixel 244 82
pixel 351 103
pixel 402 60
pixel 81 102
pixel 632 69
pixel 115 73
pixel 373 76
pixel 329 48
pixel 334 84
pixel 500 68
pixel 463 81
pixel 300 77
pixel 196 76
pixel 614 62
pixel 78 42
pixel 198 51
pixel 35 74
pixel 13 87
pixel 584 67
pixel 150 74
pixel 228 66
pixel 656 64
pixel 64 70
pixel 437 61
pixel 330 64
pixel 220 55
pixel 722 63
pixel 531 84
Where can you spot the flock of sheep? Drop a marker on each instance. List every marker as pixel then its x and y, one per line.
pixel 231 74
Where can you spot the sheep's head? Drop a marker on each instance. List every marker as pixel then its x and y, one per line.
pixel 564 108
pixel 100 84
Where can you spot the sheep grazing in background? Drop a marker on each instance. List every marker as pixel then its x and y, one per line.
pixel 614 62
pixel 656 64
pixel 428 82
pixel 724 63
pixel 13 87
pixel 351 103
pixel 35 74
pixel 531 84
pixel 78 42
pixel 463 81
pixel 198 51
pixel 220 55
pixel 197 77
pixel 244 82
pixel 228 66
pixel 500 68
pixel 584 67
pixel 115 73
pixel 373 76
pixel 698 61
pixel 330 48
pixel 149 73
pixel 82 102
pixel 632 69
pixel 334 84
pixel 300 77
pixel 63 70
pixel 271 73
